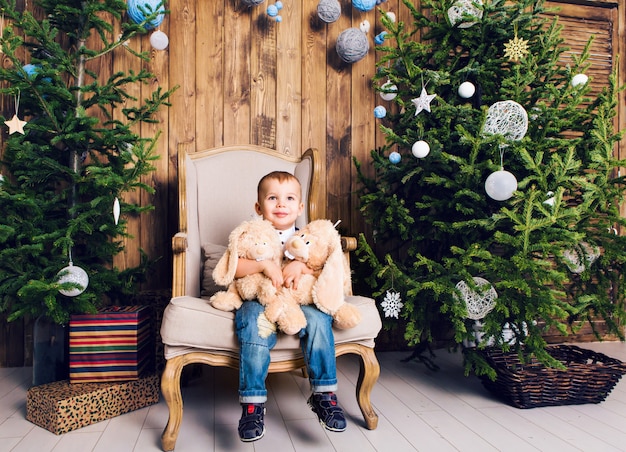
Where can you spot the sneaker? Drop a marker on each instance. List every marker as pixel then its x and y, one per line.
pixel 251 425
pixel 330 415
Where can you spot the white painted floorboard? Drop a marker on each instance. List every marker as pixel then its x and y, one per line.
pixel 419 410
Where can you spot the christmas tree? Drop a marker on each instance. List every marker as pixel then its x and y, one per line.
pixel 495 202
pixel 72 152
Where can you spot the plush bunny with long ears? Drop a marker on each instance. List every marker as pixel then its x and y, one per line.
pixel 318 245
pixel 254 239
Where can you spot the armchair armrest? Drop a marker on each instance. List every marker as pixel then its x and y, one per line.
pixel 348 244
pixel 179 249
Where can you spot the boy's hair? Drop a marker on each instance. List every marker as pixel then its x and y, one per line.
pixel 280 176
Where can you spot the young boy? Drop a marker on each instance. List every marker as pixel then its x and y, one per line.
pixel 280 202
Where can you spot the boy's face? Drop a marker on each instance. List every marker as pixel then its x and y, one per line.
pixel 279 203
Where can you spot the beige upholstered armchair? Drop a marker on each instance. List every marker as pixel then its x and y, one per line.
pixel 217 191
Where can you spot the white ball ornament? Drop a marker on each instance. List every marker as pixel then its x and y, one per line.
pixel 159 40
pixel 391 16
pixel 420 149
pixel 466 90
pixel 579 80
pixel 391 91
pixel 500 185
pixel 73 274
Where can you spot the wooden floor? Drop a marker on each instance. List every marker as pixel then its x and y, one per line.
pixel 418 409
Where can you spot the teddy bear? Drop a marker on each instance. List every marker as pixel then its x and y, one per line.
pixel 318 244
pixel 254 239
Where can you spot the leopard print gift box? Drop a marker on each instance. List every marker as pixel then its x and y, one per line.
pixel 62 406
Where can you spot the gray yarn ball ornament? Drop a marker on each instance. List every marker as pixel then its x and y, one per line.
pixel 252 2
pixel 352 45
pixel 329 10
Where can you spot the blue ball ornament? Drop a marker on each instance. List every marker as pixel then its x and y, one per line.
pixel 31 70
pixel 380 112
pixel 395 157
pixel 364 5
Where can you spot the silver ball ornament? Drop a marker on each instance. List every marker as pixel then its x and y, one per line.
pixel 392 91
pixel 73 274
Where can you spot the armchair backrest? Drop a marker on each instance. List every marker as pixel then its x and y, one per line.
pixel 218 189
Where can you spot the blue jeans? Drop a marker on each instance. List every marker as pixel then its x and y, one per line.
pixel 316 339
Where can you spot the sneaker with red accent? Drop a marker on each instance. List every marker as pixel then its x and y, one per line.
pixel 251 424
pixel 329 413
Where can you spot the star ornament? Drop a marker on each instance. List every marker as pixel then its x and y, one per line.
pixel 15 125
pixel 423 102
pixel 516 49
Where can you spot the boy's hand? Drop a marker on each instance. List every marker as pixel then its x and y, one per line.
pixel 273 272
pixel 292 273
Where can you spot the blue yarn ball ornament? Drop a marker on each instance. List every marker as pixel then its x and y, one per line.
pixel 364 5
pixel 149 6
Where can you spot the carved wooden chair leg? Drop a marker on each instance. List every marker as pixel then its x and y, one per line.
pixel 170 388
pixel 368 375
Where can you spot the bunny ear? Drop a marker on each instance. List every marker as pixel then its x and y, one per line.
pixel 224 272
pixel 328 292
pixel 221 274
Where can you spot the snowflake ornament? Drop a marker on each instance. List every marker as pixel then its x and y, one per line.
pixel 423 102
pixel 392 304
pixel 516 49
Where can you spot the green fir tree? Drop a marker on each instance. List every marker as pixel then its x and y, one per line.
pixel 78 153
pixel 549 250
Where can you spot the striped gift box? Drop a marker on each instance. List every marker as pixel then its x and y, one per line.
pixel 114 344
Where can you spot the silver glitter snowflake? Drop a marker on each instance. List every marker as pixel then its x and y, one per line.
pixel 392 304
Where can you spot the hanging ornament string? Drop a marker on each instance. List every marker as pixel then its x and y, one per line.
pixel 15 124
pixel 392 303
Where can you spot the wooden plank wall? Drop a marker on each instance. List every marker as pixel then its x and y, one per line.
pixel 244 78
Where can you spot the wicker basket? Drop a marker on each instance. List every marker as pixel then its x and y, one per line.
pixel 589 377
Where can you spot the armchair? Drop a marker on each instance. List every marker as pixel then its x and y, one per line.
pixel 217 190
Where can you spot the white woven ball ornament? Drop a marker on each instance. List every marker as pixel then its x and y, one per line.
pixel 73 274
pixel 466 90
pixel 507 118
pixel 500 185
pixel 478 303
pixel 352 45
pixel 329 10
pixel 252 2
pixel 581 257
pixel 465 7
pixel 579 80
pixel 420 149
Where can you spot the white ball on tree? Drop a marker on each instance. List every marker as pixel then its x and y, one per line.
pixel 420 149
